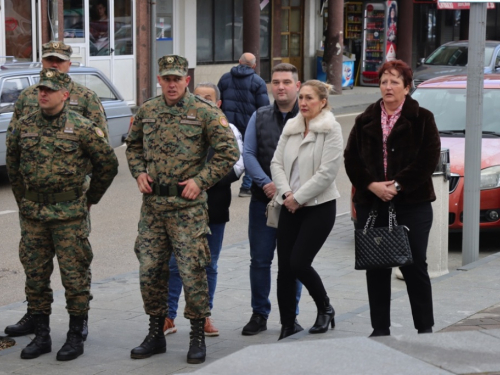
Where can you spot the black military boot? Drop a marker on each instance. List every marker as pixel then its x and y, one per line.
pixel 42 343
pixel 85 328
pixel 73 347
pixel 23 327
pixel 154 343
pixel 197 349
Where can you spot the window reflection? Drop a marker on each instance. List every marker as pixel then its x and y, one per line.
pixel 74 20
pixel 99 28
pixel 123 28
pixel 18 34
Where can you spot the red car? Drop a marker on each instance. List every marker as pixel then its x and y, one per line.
pixel 445 97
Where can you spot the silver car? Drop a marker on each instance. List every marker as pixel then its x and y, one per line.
pixel 451 59
pixel 15 78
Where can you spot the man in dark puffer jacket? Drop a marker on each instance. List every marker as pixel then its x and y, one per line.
pixel 242 93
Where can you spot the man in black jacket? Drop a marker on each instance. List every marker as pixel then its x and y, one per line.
pixel 219 200
pixel 262 135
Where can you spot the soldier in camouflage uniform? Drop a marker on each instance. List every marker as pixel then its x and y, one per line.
pixel 48 155
pixel 82 100
pixel 166 152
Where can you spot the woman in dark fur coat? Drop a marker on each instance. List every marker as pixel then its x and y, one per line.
pixel 391 154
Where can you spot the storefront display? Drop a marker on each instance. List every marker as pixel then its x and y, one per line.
pixel 379 39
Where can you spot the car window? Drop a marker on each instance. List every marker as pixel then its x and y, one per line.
pixel 11 88
pixel 96 84
pixel 449 106
pixel 455 56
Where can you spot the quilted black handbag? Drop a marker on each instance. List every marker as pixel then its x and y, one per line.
pixel 382 247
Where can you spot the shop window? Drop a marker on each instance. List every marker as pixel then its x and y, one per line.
pixel 18 29
pixel 220 31
pixel 99 28
pixel 124 35
pixel 74 21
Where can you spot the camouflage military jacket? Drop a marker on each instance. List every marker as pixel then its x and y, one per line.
pixel 81 100
pixel 170 143
pixel 52 156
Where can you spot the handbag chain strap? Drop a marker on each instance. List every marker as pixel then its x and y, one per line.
pixel 370 222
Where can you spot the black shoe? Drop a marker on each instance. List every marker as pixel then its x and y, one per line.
pixel 256 324
pixel 154 343
pixel 85 329
pixel 197 349
pixel 42 343
pixel 23 327
pixel 290 330
pixel 325 317
pixel 425 330
pixel 244 193
pixel 380 332
pixel 73 347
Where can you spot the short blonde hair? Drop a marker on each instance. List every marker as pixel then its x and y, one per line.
pixel 322 89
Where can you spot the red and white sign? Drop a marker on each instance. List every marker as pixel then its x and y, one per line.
pixel 447 5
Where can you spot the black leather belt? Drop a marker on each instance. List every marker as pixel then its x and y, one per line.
pixel 167 190
pixel 53 198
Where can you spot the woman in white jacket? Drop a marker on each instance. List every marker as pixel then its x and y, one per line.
pixel 304 167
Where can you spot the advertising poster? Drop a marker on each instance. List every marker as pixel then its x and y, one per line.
pixel 392 30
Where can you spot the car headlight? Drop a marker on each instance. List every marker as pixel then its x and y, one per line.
pixel 490 177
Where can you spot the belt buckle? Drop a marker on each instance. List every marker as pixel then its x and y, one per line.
pixel 172 190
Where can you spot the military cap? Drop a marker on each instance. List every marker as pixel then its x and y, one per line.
pixel 57 49
pixel 54 79
pixel 173 65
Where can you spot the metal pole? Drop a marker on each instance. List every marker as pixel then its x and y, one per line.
pixel 153 58
pixel 473 132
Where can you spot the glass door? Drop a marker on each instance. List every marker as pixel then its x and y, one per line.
pixel 111 44
pixel 292 33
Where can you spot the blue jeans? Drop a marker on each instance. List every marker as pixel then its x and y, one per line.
pixel 247 182
pixel 175 282
pixel 262 245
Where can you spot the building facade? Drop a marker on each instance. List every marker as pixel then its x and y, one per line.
pixel 124 38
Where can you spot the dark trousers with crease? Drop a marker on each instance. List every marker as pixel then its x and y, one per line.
pixel 418 218
pixel 300 237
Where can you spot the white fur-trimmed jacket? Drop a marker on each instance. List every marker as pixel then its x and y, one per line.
pixel 319 156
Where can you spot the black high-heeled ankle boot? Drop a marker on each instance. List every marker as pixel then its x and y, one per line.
pixel 288 330
pixel 326 316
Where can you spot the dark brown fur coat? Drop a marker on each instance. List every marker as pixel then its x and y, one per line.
pixel 413 148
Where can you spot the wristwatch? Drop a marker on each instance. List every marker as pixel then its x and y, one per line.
pixel 397 186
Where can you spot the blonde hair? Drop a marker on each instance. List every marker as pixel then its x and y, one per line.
pixel 322 89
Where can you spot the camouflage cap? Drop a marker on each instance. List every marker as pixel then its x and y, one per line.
pixel 57 49
pixel 54 79
pixel 173 65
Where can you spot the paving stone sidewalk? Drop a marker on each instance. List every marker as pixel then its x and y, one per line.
pixel 118 323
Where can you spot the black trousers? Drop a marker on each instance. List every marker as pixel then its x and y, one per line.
pixel 300 236
pixel 418 218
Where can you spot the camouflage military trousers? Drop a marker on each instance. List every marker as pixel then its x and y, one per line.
pixel 68 240
pixel 183 234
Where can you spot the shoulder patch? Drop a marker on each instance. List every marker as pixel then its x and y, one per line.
pixel 223 121
pixel 99 132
